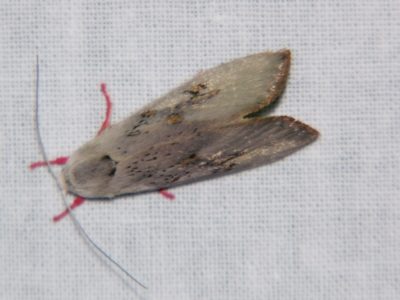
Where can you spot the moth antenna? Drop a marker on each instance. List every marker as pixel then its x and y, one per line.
pixel 82 232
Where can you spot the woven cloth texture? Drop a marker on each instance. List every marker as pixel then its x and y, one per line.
pixel 323 223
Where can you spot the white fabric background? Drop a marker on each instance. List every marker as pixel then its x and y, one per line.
pixel 323 223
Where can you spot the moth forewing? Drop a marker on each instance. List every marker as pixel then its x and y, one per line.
pixel 198 130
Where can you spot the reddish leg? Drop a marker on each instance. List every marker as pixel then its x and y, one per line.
pixel 78 201
pixel 57 161
pixel 166 194
pixel 63 160
pixel 106 122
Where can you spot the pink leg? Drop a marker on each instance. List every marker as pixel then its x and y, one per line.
pixel 166 194
pixel 106 123
pixel 63 160
pixel 78 201
pixel 57 161
pixel 107 119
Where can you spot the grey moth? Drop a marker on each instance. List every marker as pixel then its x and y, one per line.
pixel 206 127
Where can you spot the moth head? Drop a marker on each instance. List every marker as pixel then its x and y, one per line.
pixel 88 174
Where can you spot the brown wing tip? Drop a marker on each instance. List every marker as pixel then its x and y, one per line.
pixel 313 133
pixel 286 54
pixel 298 125
pixel 286 57
pixel 280 77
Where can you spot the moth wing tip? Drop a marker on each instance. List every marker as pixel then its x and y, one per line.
pixel 312 133
pixel 284 54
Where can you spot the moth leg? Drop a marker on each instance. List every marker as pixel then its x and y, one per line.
pixel 107 119
pixel 166 194
pixel 58 161
pixel 78 201
pixel 63 160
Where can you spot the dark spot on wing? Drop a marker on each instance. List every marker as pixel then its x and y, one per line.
pixel 229 167
pixel 134 133
pixel 148 113
pixel 196 89
pixel 201 98
pixel 171 178
pixel 111 163
pixel 176 178
pixel 174 119
pixel 191 159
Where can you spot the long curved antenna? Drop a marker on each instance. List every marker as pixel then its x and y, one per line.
pixel 72 215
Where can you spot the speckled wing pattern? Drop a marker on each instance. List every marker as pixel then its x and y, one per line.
pixel 201 129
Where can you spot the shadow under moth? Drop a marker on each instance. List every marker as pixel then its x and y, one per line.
pixel 207 127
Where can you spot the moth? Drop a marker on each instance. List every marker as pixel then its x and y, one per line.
pixel 205 128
